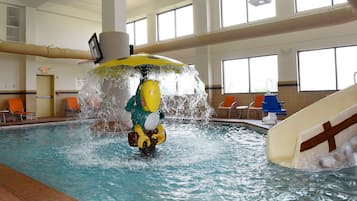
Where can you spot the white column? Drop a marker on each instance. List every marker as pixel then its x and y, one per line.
pixel 114 40
pixel 151 20
pixel 201 15
pixel 3 18
pixel 285 8
pixel 201 10
pixel 114 15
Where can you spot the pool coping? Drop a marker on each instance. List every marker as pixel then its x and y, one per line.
pixel 252 124
pixel 49 123
pixel 249 123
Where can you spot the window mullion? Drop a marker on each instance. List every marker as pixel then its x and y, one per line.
pixel 249 78
pixel 336 76
pixel 246 7
pixel 175 22
pixel 157 28
pixel 134 26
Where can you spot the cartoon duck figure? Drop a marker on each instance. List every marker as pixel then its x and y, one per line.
pixel 145 115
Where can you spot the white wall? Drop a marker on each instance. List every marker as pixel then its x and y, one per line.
pixel 70 28
pixel 12 72
pixel 208 59
pixel 53 26
pixel 64 31
pixel 285 45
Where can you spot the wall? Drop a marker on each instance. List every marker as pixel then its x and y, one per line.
pixel 284 45
pixel 54 26
pixel 68 28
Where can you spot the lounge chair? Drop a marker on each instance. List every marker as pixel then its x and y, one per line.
pixel 16 108
pixel 256 105
pixel 228 104
pixel 71 106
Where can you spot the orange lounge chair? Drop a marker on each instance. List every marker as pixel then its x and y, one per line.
pixel 228 104
pixel 72 106
pixel 16 108
pixel 256 105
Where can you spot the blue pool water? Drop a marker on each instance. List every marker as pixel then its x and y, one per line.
pixel 197 162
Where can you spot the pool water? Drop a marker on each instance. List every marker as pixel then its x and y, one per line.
pixel 197 162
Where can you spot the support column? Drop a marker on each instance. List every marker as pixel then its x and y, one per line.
pixel 151 20
pixel 114 40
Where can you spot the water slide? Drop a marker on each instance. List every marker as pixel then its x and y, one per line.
pixel 311 132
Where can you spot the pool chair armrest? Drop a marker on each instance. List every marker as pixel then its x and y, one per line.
pixel 233 105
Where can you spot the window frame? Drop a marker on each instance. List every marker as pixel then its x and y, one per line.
pixel 247 20
pixel 249 74
pixel 175 22
pixel 134 27
pixel 322 7
pixel 335 67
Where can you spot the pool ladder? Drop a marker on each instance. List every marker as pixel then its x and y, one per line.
pixel 355 77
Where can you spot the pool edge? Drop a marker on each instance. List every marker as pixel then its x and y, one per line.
pixel 16 186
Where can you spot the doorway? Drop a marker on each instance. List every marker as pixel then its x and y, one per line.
pixel 45 103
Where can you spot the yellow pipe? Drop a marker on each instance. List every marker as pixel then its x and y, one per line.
pixel 44 51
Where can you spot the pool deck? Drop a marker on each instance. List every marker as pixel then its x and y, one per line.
pixel 37 121
pixel 15 186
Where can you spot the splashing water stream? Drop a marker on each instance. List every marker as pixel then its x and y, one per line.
pixel 105 94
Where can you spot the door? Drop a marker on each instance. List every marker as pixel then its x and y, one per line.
pixel 45 106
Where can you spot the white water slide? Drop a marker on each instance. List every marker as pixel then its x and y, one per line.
pixel 315 130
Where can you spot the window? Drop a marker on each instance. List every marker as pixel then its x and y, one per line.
pixel 14 23
pixel 256 74
pixel 302 5
pixel 175 23
pixel 137 31
pixel 235 12
pixel 335 68
pixel 346 66
pixel 313 63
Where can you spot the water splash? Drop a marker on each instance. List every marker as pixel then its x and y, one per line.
pixel 106 91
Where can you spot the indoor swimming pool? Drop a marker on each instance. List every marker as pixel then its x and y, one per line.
pixel 197 162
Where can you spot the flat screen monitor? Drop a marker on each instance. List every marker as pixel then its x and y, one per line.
pixel 95 49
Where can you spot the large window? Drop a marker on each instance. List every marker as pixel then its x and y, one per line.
pixel 137 31
pixel 302 5
pixel 239 11
pixel 175 23
pixel 251 75
pixel 327 69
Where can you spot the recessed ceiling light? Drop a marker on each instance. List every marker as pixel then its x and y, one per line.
pixel 259 2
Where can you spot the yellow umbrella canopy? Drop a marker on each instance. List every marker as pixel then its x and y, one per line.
pixel 118 66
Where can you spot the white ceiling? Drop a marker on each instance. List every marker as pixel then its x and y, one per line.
pixel 89 5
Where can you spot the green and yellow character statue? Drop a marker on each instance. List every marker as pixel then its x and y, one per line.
pixel 146 115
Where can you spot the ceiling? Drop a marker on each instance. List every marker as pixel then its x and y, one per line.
pixel 89 5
